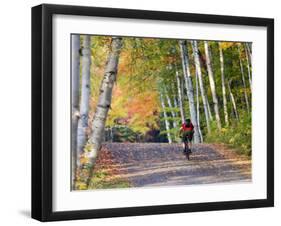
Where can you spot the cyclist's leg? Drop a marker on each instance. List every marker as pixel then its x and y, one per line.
pixel 187 150
pixel 184 140
pixel 190 144
pixel 190 136
pixel 184 145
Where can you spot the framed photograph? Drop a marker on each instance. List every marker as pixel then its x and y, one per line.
pixel 146 112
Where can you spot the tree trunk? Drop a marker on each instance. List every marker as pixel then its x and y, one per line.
pixel 104 100
pixel 85 96
pixel 209 109
pixel 247 46
pixel 198 110
pixel 165 119
pixel 175 104
pixel 202 90
pixel 212 84
pixel 180 97
pixel 233 101
pixel 249 69
pixel 223 87
pixel 172 111
pixel 75 77
pixel 243 80
pixel 189 89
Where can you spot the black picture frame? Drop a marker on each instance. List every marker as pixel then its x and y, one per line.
pixel 42 107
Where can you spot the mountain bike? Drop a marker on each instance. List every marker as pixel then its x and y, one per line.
pixel 186 137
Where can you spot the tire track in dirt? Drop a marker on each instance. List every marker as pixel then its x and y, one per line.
pixel 160 164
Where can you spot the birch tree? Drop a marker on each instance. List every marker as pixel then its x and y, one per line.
pixel 243 80
pixel 223 86
pixel 212 84
pixel 85 95
pixel 180 100
pixel 248 67
pixel 75 78
pixel 189 89
pixel 175 104
pixel 201 85
pixel 104 100
pixel 165 118
pixel 232 100
pixel 209 109
pixel 172 111
pixel 198 107
pixel 248 49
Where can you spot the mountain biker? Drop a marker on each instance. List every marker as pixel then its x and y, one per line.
pixel 187 131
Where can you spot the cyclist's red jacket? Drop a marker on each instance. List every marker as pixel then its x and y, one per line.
pixel 187 128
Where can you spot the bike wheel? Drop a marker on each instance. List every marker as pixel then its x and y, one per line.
pixel 188 152
pixel 184 148
pixel 188 156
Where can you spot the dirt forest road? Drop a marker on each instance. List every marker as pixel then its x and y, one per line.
pixel 157 164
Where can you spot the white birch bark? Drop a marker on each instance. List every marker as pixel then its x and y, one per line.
pixel 233 100
pixel 165 119
pixel 75 81
pixel 249 69
pixel 189 89
pixel 104 100
pixel 180 101
pixel 85 96
pixel 223 87
pixel 247 46
pixel 198 109
pixel 209 109
pixel 201 85
pixel 243 80
pixel 175 104
pixel 172 111
pixel 212 84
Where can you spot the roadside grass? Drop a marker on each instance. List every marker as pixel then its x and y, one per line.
pixel 103 180
pixel 237 136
